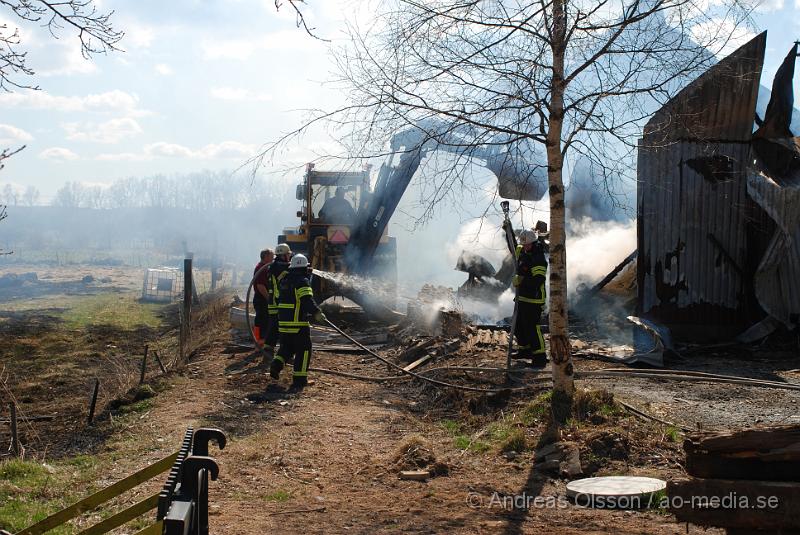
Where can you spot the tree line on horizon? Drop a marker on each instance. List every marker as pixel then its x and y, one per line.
pixel 203 190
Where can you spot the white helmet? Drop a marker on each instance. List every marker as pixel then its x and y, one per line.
pixel 298 261
pixel 526 237
pixel 282 249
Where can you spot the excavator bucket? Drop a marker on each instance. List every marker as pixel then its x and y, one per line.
pixel 475 265
pixel 517 179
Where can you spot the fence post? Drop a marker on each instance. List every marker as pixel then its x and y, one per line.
pixel 93 404
pixel 144 366
pixel 160 364
pixel 15 447
pixel 214 272
pixel 187 305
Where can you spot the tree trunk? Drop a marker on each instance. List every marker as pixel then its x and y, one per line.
pixel 560 356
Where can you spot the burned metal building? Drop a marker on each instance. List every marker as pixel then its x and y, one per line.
pixel 718 205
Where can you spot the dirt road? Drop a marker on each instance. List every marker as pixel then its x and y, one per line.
pixel 326 462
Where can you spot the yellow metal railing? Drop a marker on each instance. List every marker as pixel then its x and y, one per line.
pixel 182 503
pixel 98 498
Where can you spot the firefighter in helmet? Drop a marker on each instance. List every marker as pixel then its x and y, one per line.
pixel 295 306
pixel 530 280
pixel 275 272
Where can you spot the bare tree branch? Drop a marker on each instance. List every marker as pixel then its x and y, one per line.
pixel 94 29
pixel 300 19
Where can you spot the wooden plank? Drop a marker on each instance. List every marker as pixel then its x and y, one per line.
pixel 414 475
pixel 761 439
pixel 767 505
pixel 123 516
pixel 412 352
pixel 155 529
pixel 417 363
pixel 719 466
pixel 101 496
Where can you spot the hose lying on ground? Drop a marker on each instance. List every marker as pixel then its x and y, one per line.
pixel 420 376
pixel 679 375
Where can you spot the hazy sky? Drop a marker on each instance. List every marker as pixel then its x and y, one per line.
pixel 201 85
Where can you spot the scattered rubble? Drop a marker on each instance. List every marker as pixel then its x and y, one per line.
pixel 561 459
pixel 415 455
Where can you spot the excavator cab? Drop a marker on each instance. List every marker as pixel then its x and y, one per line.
pixel 333 204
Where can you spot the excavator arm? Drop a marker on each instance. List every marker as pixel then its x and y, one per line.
pixel 518 178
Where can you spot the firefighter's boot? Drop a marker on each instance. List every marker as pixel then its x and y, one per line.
pixel 276 367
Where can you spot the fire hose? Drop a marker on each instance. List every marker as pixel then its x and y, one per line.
pixel 675 375
pixel 419 376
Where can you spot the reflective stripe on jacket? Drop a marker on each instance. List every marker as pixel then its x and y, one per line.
pixel 532 267
pixel 295 302
pixel 276 271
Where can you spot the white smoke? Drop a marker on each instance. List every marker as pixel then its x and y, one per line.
pixel 594 248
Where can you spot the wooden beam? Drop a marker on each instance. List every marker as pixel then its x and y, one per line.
pixel 750 467
pixel 417 363
pixel 412 352
pixel 764 438
pixel 608 278
pixel 766 505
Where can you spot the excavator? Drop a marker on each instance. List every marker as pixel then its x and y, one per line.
pixel 357 241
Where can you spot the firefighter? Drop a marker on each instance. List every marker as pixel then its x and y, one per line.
pixel 531 295
pixel 261 297
pixel 295 305
pixel 275 273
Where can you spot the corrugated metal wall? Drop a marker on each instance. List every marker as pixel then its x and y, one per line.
pixel 717 106
pixel 694 269
pixel 692 240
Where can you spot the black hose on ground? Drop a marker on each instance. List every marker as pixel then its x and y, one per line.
pixel 421 377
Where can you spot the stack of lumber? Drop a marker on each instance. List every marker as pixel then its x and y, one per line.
pixel 744 481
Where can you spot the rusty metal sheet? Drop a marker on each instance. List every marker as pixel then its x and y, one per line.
pixel 694 265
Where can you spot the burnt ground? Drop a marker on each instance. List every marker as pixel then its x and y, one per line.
pixel 58 334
